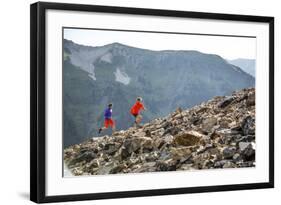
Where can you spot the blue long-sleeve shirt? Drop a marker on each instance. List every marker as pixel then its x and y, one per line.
pixel 107 113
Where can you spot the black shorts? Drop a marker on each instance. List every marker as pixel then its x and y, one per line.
pixel 135 115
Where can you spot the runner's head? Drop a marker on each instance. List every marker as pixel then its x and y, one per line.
pixel 139 99
pixel 110 105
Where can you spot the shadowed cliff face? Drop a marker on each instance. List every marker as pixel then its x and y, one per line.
pixel 95 76
pixel 219 133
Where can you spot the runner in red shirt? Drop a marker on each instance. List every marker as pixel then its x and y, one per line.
pixel 136 109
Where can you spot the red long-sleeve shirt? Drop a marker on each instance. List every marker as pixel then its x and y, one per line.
pixel 137 107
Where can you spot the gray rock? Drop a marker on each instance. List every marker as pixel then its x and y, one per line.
pixel 168 139
pixel 249 153
pixel 85 156
pixel 111 148
pixel 219 164
pixel 228 152
pixel 147 133
pixel 106 168
pixel 167 165
pixel 251 99
pixel 209 123
pixel 226 102
pixel 236 157
pixel 229 164
pixel 208 164
pixel 248 126
pixel 117 169
pixel 248 138
pixel 243 145
pixel 125 153
pixel 195 120
pixel 172 130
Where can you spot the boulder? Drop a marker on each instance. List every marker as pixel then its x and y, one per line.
pixel 219 164
pixel 93 164
pixel 111 148
pixel 236 157
pixel 181 152
pixel 124 153
pixel 187 138
pixel 214 135
pixel 209 123
pixel 117 169
pixel 147 133
pixel 251 100
pixel 207 164
pixel 158 132
pixel 243 145
pixel 106 168
pixel 248 125
pixel 248 138
pixel 248 153
pixel 172 130
pixel 168 165
pixel 195 120
pixel 86 156
pixel 166 124
pixel 226 102
pixel 168 139
pixel 152 156
pixel 228 152
pixel 229 164
pixel 77 172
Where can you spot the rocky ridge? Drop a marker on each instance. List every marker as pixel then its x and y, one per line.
pixel 219 133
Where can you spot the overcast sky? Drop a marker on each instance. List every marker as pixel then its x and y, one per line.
pixel 227 47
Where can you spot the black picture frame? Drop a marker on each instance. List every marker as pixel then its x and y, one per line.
pixel 38 101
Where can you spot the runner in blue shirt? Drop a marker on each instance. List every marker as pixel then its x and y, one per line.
pixel 108 121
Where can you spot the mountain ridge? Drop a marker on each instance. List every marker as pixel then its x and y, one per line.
pixel 247 65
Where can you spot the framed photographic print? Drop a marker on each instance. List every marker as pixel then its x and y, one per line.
pixel 129 102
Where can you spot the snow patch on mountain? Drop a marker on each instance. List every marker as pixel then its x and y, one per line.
pixel 107 58
pixel 122 77
pixel 85 57
pixel 92 75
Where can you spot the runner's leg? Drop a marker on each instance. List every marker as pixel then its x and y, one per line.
pixel 112 125
pixel 138 119
pixel 106 123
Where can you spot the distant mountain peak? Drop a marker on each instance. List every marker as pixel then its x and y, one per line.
pixel 117 44
pixel 247 65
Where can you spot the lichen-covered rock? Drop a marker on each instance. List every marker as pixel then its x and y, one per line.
pixel 187 138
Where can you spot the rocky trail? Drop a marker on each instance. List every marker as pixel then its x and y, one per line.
pixel 219 133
